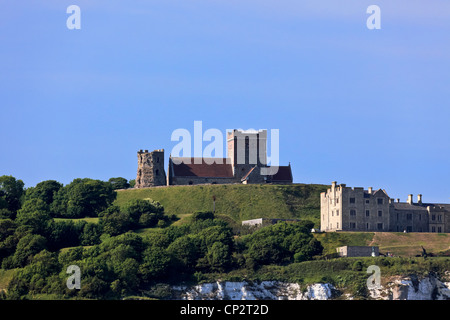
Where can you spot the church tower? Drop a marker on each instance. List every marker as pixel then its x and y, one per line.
pixel 150 171
pixel 247 152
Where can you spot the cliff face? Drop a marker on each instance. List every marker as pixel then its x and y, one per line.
pixel 266 290
pixel 396 288
pixel 413 288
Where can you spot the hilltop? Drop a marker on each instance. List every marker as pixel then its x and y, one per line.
pixel 240 202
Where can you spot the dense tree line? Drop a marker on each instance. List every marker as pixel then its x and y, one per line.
pixel 114 260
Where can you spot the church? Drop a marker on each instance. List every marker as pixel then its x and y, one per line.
pixel 246 163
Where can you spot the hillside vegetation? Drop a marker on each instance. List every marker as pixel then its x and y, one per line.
pixel 240 202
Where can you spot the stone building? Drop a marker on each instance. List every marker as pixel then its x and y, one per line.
pixel 150 171
pixel 358 251
pixel 246 163
pixel 354 209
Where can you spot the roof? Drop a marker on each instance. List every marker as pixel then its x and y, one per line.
pixel 208 168
pixel 248 174
pixel 284 174
pixel 419 207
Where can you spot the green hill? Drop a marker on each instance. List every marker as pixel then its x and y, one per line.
pixel 240 202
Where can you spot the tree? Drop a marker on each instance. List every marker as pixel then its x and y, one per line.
pixel 119 183
pixel 11 192
pixel 83 198
pixel 115 222
pixel 91 234
pixel 27 247
pixel 184 253
pixel 155 263
pixel 218 256
pixel 144 213
pixel 35 214
pixel 44 190
pixel 62 234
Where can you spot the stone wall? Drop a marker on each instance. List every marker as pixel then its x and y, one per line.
pixel 150 172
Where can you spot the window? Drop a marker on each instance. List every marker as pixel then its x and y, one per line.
pixel 190 182
pixel 409 229
pixel 367 226
pixel 337 200
pixel 367 213
pixel 352 200
pixel 352 225
pixel 332 213
pixel 380 213
pixel 337 212
pixel 157 159
pixel 439 217
pixel 380 226
pixel 433 229
pixel 409 216
pixel 352 212
pixel 337 225
pixel 439 229
pixel 367 201
pixel 157 172
pixel 380 200
pixel 433 217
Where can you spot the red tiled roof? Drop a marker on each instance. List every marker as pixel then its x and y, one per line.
pixel 208 168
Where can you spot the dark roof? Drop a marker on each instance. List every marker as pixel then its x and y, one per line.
pixel 284 174
pixel 248 173
pixel 209 168
pixel 407 206
pixel 419 207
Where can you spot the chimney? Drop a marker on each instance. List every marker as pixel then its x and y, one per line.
pixel 333 184
pixel 410 199
pixel 419 199
pixel 370 190
pixel 398 200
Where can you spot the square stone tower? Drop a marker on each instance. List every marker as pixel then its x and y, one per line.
pixel 150 171
pixel 247 150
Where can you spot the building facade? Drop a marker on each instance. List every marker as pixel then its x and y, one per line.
pixel 354 209
pixel 246 163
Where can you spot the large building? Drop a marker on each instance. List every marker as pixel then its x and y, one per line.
pixel 246 163
pixel 354 209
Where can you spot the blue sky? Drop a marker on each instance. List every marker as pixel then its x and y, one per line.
pixel 363 107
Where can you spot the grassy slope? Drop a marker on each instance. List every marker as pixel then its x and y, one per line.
pixel 240 202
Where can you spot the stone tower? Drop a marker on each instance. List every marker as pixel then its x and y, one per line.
pixel 247 150
pixel 150 171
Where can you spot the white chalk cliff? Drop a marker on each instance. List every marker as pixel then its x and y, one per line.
pixel 395 288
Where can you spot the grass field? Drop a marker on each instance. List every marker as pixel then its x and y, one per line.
pixel 240 202
pixel 397 243
pixel 89 220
